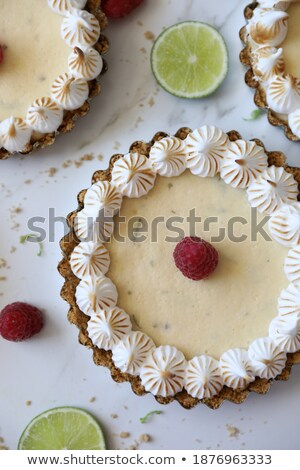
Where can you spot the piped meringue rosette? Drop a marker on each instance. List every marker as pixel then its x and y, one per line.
pixel 80 30
pixel 163 369
pixel 264 35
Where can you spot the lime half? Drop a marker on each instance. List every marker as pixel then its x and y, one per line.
pixel 63 428
pixel 190 59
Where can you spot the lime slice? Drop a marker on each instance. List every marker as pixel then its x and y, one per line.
pixel 62 428
pixel 190 59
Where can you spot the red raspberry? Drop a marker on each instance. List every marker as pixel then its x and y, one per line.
pixel 119 8
pixel 20 321
pixel 196 258
pixel 1 54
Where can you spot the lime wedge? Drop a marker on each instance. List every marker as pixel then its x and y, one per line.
pixel 190 59
pixel 64 428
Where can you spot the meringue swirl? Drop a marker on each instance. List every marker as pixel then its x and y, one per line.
pixel 14 134
pixel 130 354
pixel 267 358
pixel 89 259
pixel 94 294
pixel 236 368
pixel 284 225
pixel 163 372
pixel 272 189
pixel 243 162
pixel 80 28
pixel 206 147
pixel 203 377
pixel 44 115
pixel 85 63
pixel 70 92
pixel 168 156
pixel 108 327
pixel 133 175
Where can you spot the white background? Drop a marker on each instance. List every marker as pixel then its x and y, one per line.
pixel 52 369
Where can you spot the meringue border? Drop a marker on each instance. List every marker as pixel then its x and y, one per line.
pixel 251 81
pixel 38 140
pixel 104 358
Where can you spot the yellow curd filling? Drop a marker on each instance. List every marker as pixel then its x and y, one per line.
pixel 233 306
pixel 34 54
pixel 292 42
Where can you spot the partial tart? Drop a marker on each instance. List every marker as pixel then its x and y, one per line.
pixel 191 341
pixel 271 55
pixel 52 59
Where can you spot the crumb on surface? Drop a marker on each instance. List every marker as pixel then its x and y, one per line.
pixel 3 278
pixel 92 399
pixel 124 435
pixel 145 438
pixel 114 416
pixel 151 102
pixel 149 35
pixel 233 431
pixel 28 402
pixel 52 171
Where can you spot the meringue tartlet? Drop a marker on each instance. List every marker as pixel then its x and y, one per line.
pixel 49 69
pixel 272 44
pixel 168 335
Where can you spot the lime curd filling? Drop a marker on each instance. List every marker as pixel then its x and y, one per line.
pixel 34 54
pixel 291 44
pixel 231 308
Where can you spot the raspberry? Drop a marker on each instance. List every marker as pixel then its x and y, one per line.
pixel 119 8
pixel 1 54
pixel 20 321
pixel 196 258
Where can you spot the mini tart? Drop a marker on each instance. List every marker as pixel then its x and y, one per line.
pixel 277 90
pixel 115 337
pixel 68 97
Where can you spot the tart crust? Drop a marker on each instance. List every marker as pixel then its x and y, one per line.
pixel 70 117
pixel 260 95
pixel 78 318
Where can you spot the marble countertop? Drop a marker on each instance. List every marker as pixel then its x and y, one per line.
pixel 53 369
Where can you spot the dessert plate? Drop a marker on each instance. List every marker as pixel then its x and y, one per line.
pixel 272 41
pixel 50 69
pixel 191 341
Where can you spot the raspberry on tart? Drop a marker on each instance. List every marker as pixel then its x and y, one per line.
pixel 195 258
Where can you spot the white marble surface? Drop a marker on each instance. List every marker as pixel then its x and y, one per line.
pixel 53 369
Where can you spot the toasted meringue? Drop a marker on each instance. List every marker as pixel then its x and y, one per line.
pixel 89 259
pixel 93 228
pixel 85 63
pixel 268 62
pixel 267 358
pixel 102 196
pixel 44 115
pixel 133 175
pixel 168 156
pixel 206 147
pixel 272 189
pixel 70 92
pixel 289 302
pixel 285 331
pixel 203 377
pixel 130 354
pixel 294 122
pixel 163 372
pixel 243 162
pixel 284 225
pixel 108 327
pixel 283 94
pixel 236 368
pixel 14 134
pixel 61 7
pixel 280 4
pixel 292 266
pixel 94 294
pixel 268 27
pixel 80 28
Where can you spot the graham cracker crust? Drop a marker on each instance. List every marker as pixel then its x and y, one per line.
pixel 260 95
pixel 78 318
pixel 39 141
